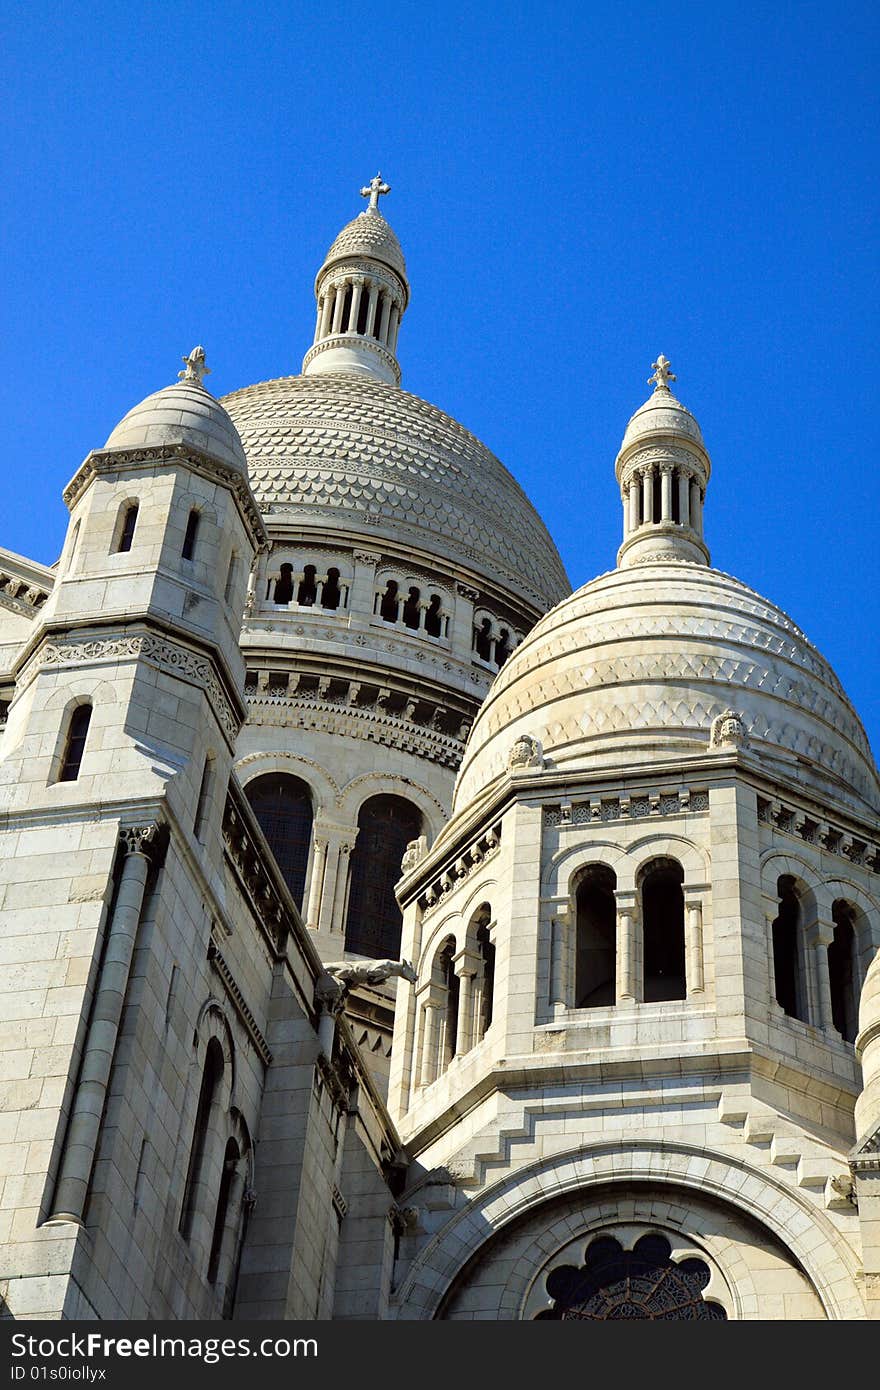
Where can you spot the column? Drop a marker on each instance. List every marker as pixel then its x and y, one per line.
pixel 100 1046
pixel 559 928
pixel 647 495
pixel 628 952
pixel 340 897
pixel 819 936
pixel 693 948
pixel 383 321
pixel 466 965
pixel 432 1010
pixel 634 502
pixel 318 319
pixel 328 889
pixel 371 311
pixel 356 293
pixel 393 326
pixel 339 291
pixel 326 312
pixel 316 883
pixel 695 510
pixel 666 492
pixel 684 492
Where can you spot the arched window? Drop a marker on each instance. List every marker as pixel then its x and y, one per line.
pixel 503 647
pixel 75 743
pixel 452 988
pixel 231 1159
pixel 283 806
pixel 483 639
pixel 127 523
pixel 433 617
pixel 386 824
pixel 788 964
pixel 284 585
pixel 843 971
pixel 192 531
pixel 487 975
pixel 388 608
pixel 307 592
pixel 208 1095
pixel 663 931
pixel 411 609
pixel 596 963
pixel 332 592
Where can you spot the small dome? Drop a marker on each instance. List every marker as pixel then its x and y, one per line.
pixel 368 234
pixel 661 414
pixel 184 413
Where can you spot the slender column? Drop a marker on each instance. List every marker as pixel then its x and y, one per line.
pixel 695 509
pixel 88 1103
pixel 317 883
pixel 383 321
pixel 328 890
pixel 666 493
pixel 340 896
pixel 393 327
pixel 326 312
pixel 339 291
pixel 466 968
pixel 634 502
pixel 559 957
pixel 628 949
pixel 431 1040
pixel 647 496
pixel 371 311
pixel 694 972
pixel 819 937
pixel 320 581
pixel 356 293
pixel 684 493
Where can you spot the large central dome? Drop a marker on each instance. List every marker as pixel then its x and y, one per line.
pixel 360 453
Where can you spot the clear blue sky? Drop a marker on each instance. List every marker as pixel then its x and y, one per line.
pixel 576 188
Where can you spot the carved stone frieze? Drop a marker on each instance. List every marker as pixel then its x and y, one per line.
pixel 484 847
pixel 799 824
pixel 628 806
pixel 237 999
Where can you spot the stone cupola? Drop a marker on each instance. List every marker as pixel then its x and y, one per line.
pixel 362 293
pixel 662 469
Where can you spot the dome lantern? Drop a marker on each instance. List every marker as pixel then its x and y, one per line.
pixel 663 469
pixel 362 293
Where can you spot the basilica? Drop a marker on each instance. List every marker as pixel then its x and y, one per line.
pixel 388 932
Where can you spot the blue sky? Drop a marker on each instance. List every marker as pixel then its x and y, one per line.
pixel 576 188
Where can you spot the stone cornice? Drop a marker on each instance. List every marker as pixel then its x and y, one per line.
pixel 104 461
pixel 236 998
pixel 356 343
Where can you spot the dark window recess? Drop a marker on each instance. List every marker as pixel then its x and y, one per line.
pixel 676 513
pixel 453 989
pixel 221 1216
pixel 487 955
pixel 75 744
pixel 433 619
pixel 843 974
pixel 283 807
pixel 308 588
pixel 388 608
pixel 207 1096
pixel 363 310
pixel 411 610
pixel 658 495
pixel 331 593
pixel 483 639
pixel 129 521
pixel 644 1284
pixel 284 585
pixel 189 539
pixel 502 647
pixel 596 940
pixel 386 824
pixel 786 952
pixel 663 922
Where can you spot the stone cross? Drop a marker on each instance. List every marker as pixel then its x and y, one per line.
pixel 662 375
pixel 373 191
pixel 196 370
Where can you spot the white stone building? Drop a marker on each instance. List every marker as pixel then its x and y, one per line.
pixel 626 1075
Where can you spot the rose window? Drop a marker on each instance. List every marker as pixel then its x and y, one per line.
pixel 644 1282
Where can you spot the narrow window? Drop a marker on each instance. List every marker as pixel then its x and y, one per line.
pixel 786 951
pixel 596 938
pixel 658 493
pixel 433 617
pixel 663 931
pixel 74 540
pixel 502 648
pixel 284 585
pixel 373 925
pixel 453 987
pixel 189 539
pixel 222 1214
pixel 208 1093
pixel 331 593
pixel 483 639
pixel 487 985
pixel 388 608
pixel 204 796
pixel 363 310
pixel 346 310
pixel 129 521
pixel 75 744
pixel 308 589
pixel 843 972
pixel 230 578
pixel 411 610
pixel 676 511
pixel 282 805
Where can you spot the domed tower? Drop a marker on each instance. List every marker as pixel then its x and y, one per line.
pixel 627 1073
pixel 405 567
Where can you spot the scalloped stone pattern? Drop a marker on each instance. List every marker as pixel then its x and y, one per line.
pixel 646 658
pixel 359 452
pixel 368 234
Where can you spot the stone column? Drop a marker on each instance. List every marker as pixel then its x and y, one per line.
pixel 466 966
pixel 684 492
pixel 372 305
pixel 338 306
pixel 340 897
pixel 383 320
pixel 316 883
pixel 328 888
pixel 693 946
pixel 433 1012
pixel 666 492
pixel 393 328
pixel 695 509
pixel 647 495
pixel 357 291
pixel 627 990
pixel 463 622
pixel 326 313
pixel 819 936
pixel 100 1045
pixel 634 502
pixel 559 952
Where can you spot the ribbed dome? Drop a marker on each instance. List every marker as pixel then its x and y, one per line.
pixel 634 667
pixel 356 453
pixel 661 414
pixel 368 234
pixel 184 413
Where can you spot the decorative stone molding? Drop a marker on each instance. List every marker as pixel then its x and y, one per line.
pixel 484 847
pixel 634 806
pixel 19 596
pixel 139 839
pixel 158 651
pixel 728 731
pixel 818 831
pixel 368 557
pixel 414 854
pixel 236 998
pixel 465 591
pixel 255 875
pixel 525 753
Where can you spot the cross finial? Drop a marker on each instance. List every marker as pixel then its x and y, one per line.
pixel 374 189
pixel 662 375
pixel 195 366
